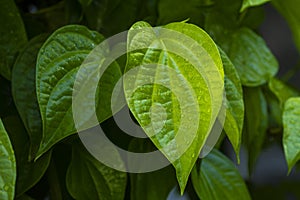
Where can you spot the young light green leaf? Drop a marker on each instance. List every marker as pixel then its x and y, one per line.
pixel 217 178
pixel 252 58
pixel 24 92
pixel 28 172
pixel 289 10
pixel 234 120
pixel 57 65
pixel 251 3
pixel 13 36
pixel 87 178
pixel 158 69
pixel 256 122
pixel 7 166
pixel 282 91
pixel 291 131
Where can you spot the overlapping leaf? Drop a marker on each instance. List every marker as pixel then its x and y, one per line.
pixel 24 92
pixel 217 178
pixel 291 131
pixel 58 62
pixel 87 178
pixel 164 62
pixel 250 3
pixel 7 166
pixel 234 120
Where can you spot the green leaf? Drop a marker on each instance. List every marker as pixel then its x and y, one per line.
pixel 289 10
pixel 253 60
pixel 7 166
pixel 170 11
pixel 281 90
pixel 234 119
pixel 217 178
pixel 256 122
pixel 13 36
pixel 100 181
pixel 164 96
pixel 24 92
pixel 57 65
pixel 28 172
pixel 251 3
pixel 146 185
pixel 291 131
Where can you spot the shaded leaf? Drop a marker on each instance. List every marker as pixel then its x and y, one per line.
pixel 289 10
pixel 24 92
pixel 100 181
pixel 13 36
pixel 217 178
pixel 7 166
pixel 28 172
pixel 291 131
pixel 256 122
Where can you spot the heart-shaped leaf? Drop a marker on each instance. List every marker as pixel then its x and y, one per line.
pixel 57 65
pixel 174 76
pixel 217 178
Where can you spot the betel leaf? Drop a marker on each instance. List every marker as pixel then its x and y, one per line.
pixel 291 131
pixel 158 68
pixel 217 178
pixel 146 185
pixel 13 36
pixel 28 172
pixel 24 92
pixel 87 178
pixel 256 123
pixel 234 118
pixel 289 10
pixel 252 58
pixel 281 90
pixel 251 3
pixel 7 166
pixel 57 65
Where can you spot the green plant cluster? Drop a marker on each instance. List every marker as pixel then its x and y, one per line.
pixel 43 44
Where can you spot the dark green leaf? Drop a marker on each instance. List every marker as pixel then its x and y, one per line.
pixel 146 185
pixel 289 9
pixel 151 48
pixel 253 60
pixel 256 122
pixel 24 92
pixel 217 178
pixel 234 104
pixel 28 172
pixel 13 36
pixel 87 178
pixel 58 62
pixel 7 166
pixel 291 128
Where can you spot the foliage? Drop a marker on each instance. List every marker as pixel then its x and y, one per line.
pixel 43 46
